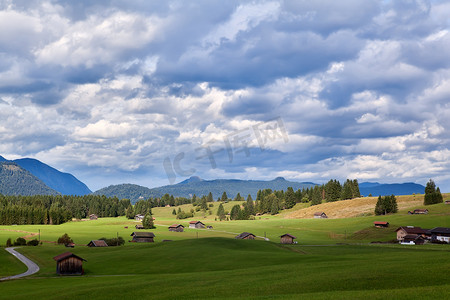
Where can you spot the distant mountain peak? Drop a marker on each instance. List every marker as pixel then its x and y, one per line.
pixel 192 179
pixel 280 179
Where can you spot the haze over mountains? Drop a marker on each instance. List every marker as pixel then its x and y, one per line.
pixel 30 176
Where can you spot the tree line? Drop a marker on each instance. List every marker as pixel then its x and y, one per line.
pixel 57 209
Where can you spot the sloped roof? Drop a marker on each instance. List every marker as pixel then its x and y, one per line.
pixel 319 213
pixel 175 226
pixel 440 230
pixel 287 234
pixel 380 223
pixel 195 222
pixel 244 235
pixel 98 243
pixel 143 234
pixel 412 230
pixel 66 255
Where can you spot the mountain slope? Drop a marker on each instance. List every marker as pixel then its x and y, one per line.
pixel 14 180
pixel 200 187
pixel 64 183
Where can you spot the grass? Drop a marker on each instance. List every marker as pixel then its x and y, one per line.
pixel 215 265
pixel 240 269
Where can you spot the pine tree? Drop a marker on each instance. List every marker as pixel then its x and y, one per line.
pixel 290 198
pixel 221 212
pixel 432 195
pixel 147 222
pixel 224 197
pixel 130 212
pixel 250 207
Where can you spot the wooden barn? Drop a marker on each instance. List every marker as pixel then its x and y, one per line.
pixel 93 217
pixel 176 228
pixel 320 215
pixel 142 237
pixel 245 236
pixel 287 239
pixel 410 231
pixel 418 212
pixel 97 243
pixel 196 224
pixel 139 226
pixel 69 264
pixel 379 224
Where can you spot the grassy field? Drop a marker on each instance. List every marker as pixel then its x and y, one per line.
pixel 332 260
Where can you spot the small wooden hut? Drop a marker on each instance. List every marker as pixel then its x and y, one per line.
pixel 97 243
pixel 320 215
pixel 245 236
pixel 196 224
pixel 142 237
pixel 69 264
pixel 379 224
pixel 93 217
pixel 287 239
pixel 176 228
pixel 139 217
pixel 139 226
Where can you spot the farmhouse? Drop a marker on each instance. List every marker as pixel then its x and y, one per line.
pixel 196 224
pixel 176 228
pixel 287 239
pixel 142 237
pixel 69 264
pixel 93 217
pixel 139 226
pixel 320 215
pixel 410 230
pixel 245 236
pixel 97 243
pixel 413 239
pixel 381 224
pixel 440 234
pixel 139 217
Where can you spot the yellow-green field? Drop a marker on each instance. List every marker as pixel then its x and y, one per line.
pixel 333 258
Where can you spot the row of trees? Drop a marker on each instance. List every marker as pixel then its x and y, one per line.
pixel 49 209
pixel 386 205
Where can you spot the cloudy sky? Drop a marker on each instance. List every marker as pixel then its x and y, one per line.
pixel 152 92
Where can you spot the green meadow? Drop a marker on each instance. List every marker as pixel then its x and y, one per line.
pixel 333 259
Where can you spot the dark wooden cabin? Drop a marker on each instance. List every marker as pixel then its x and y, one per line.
pixel 176 228
pixel 245 236
pixel 142 237
pixel 97 243
pixel 139 226
pixel 69 264
pixel 287 239
pixel 320 215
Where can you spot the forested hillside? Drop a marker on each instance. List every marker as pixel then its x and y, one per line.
pixel 15 180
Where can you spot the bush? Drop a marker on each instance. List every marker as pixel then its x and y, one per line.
pixel 119 241
pixel 9 242
pixel 65 239
pixel 20 242
pixel 211 205
pixel 34 242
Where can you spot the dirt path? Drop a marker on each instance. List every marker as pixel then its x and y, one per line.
pixel 32 267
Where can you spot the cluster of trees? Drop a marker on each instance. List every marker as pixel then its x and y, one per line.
pixel 432 194
pixel 386 205
pixel 21 242
pixel 117 241
pixel 51 209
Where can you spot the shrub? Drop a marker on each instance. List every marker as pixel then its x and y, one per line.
pixel 20 242
pixel 64 239
pixel 34 242
pixel 119 241
pixel 8 242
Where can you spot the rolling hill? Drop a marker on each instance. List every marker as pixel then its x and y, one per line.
pixel 14 180
pixel 200 187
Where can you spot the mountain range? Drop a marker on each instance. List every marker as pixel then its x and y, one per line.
pixel 200 187
pixel 28 176
pixel 63 183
